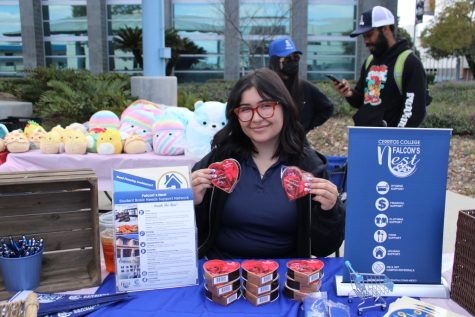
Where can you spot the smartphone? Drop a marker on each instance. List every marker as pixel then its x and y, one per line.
pixel 333 78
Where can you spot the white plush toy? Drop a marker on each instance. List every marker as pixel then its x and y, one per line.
pixel 208 118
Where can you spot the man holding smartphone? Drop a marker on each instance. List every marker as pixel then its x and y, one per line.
pixel 377 95
pixel 315 108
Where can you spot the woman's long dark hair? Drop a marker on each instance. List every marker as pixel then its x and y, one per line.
pixel 231 140
pixel 292 83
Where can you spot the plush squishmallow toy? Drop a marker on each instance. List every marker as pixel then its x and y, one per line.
pixel 141 104
pixel 135 144
pixel 50 143
pixel 3 131
pixel 169 137
pixel 31 127
pixel 208 118
pixel 138 122
pixel 109 142
pixel 104 119
pixel 91 138
pixel 2 145
pixel 17 142
pixel 60 130
pixel 75 142
pixel 35 139
pixel 77 126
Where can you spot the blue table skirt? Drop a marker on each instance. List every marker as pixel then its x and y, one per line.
pixel 191 301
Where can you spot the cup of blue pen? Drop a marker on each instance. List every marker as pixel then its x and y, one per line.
pixel 20 263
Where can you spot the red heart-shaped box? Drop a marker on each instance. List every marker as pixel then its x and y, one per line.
pixel 219 272
pixel 302 287
pixel 259 272
pixel 293 183
pixel 226 174
pixel 305 271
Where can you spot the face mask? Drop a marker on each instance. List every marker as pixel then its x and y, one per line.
pixel 290 68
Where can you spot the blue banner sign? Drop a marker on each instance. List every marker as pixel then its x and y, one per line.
pixel 396 200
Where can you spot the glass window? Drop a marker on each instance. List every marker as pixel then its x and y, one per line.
pixel 204 17
pixel 260 22
pixel 65 30
pixel 10 20
pixel 264 18
pixel 331 17
pixel 11 50
pixel 11 59
pixel 67 54
pixel 202 23
pixel 119 16
pixel 65 20
pixel 335 57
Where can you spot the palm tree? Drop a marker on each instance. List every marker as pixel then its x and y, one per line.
pixel 129 39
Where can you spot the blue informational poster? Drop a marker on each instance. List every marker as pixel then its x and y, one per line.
pixel 396 200
pixel 154 229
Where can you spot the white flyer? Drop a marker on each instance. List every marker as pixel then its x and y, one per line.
pixel 154 229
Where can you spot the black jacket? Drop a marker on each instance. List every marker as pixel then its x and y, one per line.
pixel 314 107
pixel 320 233
pixel 377 97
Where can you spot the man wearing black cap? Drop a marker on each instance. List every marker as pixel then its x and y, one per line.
pixel 384 96
pixel 315 108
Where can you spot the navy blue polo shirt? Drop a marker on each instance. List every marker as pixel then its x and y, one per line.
pixel 258 220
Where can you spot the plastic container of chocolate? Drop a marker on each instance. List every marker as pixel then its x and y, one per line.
pixel 222 289
pixel 305 271
pixel 224 300
pixel 258 300
pixel 260 290
pixel 219 272
pixel 303 287
pixel 259 272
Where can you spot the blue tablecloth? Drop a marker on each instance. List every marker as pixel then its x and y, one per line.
pixel 191 301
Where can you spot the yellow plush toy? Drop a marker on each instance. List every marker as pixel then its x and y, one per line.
pixel 17 142
pixel 32 127
pixel 50 143
pixel 135 144
pixel 35 139
pixel 2 145
pixel 109 142
pixel 74 142
pixel 60 130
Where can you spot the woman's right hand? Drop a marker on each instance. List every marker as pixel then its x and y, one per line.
pixel 200 182
pixel 343 88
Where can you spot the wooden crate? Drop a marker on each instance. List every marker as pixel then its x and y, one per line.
pixel 61 207
pixel 462 289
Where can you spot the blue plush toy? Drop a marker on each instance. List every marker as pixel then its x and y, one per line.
pixel 208 118
pixel 3 131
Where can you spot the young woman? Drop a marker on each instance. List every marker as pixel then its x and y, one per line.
pixel 257 220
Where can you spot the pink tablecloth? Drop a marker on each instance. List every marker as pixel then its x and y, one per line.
pixel 101 164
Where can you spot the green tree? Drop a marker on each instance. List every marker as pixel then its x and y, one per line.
pixel 453 33
pixel 129 39
pixel 180 46
pixel 402 34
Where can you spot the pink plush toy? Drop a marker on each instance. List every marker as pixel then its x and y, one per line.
pixel 169 137
pixel 138 122
pixel 145 105
pixel 104 119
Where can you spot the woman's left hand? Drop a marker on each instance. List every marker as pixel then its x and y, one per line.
pixel 323 191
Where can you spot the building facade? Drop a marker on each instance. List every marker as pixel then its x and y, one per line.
pixel 231 37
